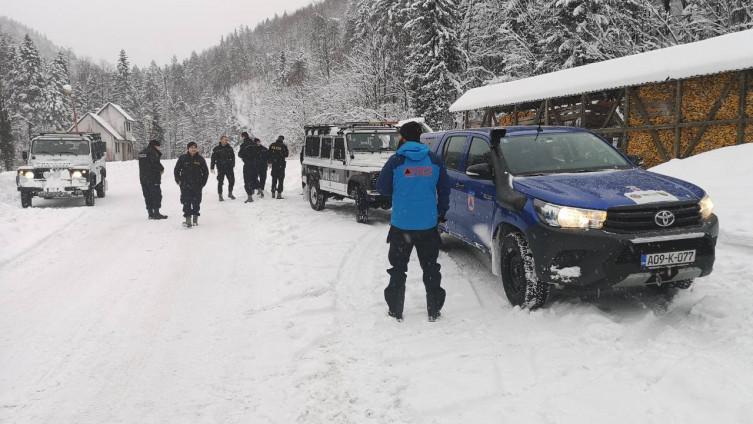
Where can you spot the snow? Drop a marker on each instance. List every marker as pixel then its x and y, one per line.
pixel 565 274
pixel 122 111
pixel 274 313
pixel 725 53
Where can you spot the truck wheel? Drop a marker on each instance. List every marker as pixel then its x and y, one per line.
pixel 25 200
pixel 519 278
pixel 362 206
pixel 89 197
pixel 317 198
pixel 100 189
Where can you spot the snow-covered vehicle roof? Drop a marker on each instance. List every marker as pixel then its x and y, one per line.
pixel 730 52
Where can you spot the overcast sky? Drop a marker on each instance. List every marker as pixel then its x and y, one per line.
pixel 147 29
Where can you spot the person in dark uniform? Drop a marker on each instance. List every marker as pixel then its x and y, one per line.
pixel 150 174
pixel 191 174
pixel 250 175
pixel 223 156
pixel 278 152
pixel 261 167
pixel 416 179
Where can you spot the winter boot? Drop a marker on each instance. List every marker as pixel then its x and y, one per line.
pixel 434 316
pixel 230 195
pixel 158 215
pixel 279 195
pixel 250 198
pixel 188 223
pixel 221 199
pixel 260 192
pixel 196 220
pixel 151 213
pixel 398 317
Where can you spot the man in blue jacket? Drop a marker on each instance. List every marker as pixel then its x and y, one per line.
pixel 417 181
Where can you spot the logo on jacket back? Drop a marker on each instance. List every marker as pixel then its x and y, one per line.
pixel 419 171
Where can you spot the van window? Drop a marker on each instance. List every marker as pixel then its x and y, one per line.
pixel 339 152
pixel 326 148
pixel 479 152
pixel 312 146
pixel 453 152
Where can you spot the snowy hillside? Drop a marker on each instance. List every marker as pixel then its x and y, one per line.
pixel 273 313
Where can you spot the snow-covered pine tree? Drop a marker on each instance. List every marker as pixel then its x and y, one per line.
pixel 7 62
pixel 434 60
pixel 57 104
pixel 481 42
pixel 29 84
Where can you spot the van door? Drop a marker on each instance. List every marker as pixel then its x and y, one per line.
pixel 325 157
pixel 453 151
pixel 479 199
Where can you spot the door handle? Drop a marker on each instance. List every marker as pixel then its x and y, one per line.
pixel 459 186
pixel 487 196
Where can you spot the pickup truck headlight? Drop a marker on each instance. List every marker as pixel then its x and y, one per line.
pixel 567 217
pixel 707 207
pixel 26 174
pixel 79 173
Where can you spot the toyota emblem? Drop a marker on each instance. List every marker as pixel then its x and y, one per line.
pixel 664 218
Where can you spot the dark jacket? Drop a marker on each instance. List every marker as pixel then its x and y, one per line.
pixel 150 168
pixel 417 181
pixel 191 171
pixel 223 157
pixel 247 152
pixel 262 156
pixel 278 151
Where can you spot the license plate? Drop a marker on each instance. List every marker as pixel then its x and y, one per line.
pixel 656 260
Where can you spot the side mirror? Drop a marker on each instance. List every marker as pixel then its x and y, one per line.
pixel 25 155
pixel 637 160
pixel 481 171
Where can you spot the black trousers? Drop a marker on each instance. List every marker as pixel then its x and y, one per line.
pixel 427 244
pixel 191 199
pixel 278 176
pixel 262 177
pixel 250 178
pixel 152 195
pixel 221 174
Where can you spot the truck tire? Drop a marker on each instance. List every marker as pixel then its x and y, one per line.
pixel 518 272
pixel 317 198
pixel 89 197
pixel 100 189
pixel 25 199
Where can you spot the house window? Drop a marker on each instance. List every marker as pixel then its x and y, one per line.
pixel 128 126
pixel 117 147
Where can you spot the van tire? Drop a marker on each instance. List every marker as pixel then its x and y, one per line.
pixel 89 197
pixel 101 189
pixel 25 199
pixel 519 279
pixel 317 198
pixel 362 205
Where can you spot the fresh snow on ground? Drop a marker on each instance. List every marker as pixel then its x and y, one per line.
pixel 273 313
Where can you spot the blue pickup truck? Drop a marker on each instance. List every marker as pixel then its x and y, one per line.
pixel 559 207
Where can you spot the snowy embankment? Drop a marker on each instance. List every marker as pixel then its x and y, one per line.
pixel 273 313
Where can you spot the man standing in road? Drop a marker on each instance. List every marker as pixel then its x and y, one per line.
pixel 150 174
pixel 223 156
pixel 247 153
pixel 262 160
pixel 191 174
pixel 278 152
pixel 416 179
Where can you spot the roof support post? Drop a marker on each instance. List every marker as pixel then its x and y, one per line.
pixel 711 116
pixel 515 115
pixel 626 99
pixel 583 99
pixel 546 112
pixel 743 104
pixel 678 118
pixel 465 119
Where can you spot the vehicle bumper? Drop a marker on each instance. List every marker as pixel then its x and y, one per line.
pixel 598 259
pixel 44 188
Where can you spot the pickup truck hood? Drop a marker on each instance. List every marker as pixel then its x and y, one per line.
pixel 606 189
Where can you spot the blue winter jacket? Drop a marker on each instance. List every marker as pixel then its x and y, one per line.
pixel 417 181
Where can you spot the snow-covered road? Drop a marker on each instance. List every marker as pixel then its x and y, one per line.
pixel 273 313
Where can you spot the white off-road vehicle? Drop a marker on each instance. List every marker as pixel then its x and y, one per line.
pixel 344 160
pixel 62 165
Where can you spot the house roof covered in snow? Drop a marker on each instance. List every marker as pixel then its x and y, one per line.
pixel 118 108
pixel 725 53
pixel 107 127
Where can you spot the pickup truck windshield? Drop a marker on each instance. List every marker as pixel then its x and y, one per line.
pixel 60 147
pixel 373 142
pixel 553 153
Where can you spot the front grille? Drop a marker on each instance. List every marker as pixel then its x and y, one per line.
pixel 374 178
pixel 39 173
pixel 629 219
